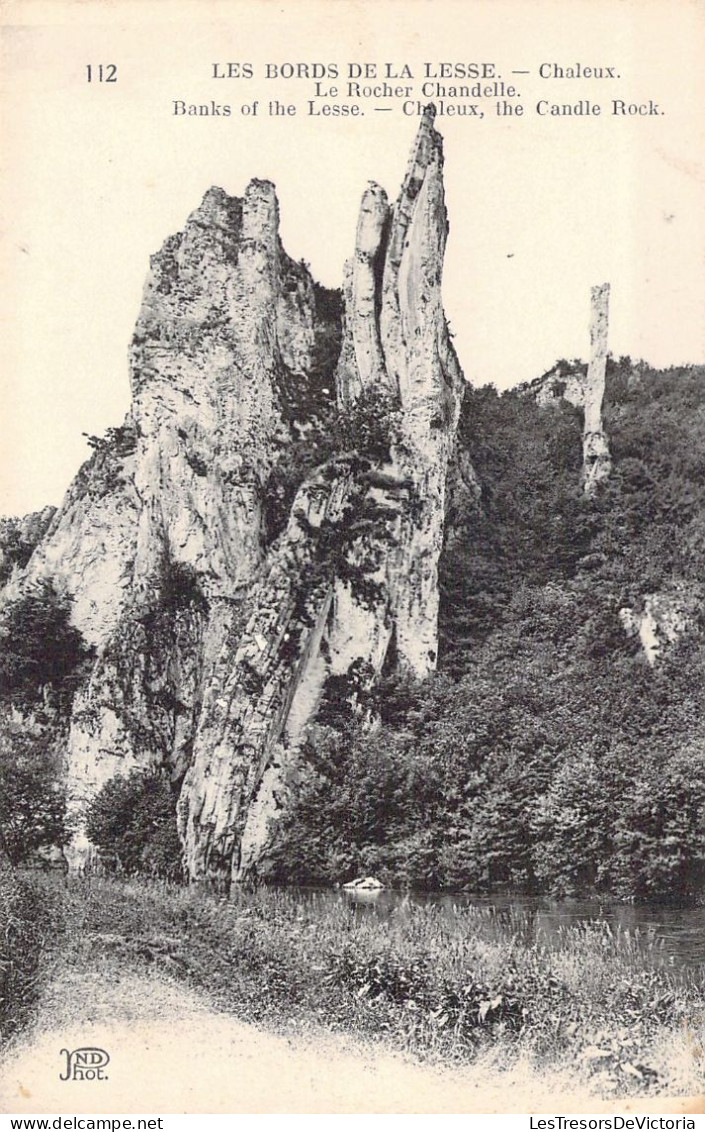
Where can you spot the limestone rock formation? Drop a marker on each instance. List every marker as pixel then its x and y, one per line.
pixel 564 382
pixel 18 540
pixel 364 884
pixel 88 549
pixel 355 573
pixel 663 618
pixel 596 456
pixel 586 390
pixel 216 633
pixel 224 339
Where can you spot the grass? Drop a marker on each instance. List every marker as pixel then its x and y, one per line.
pixel 30 919
pixel 456 987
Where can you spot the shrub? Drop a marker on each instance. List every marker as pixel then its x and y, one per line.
pixel 19 538
pixel 660 828
pixel 364 429
pixel 121 441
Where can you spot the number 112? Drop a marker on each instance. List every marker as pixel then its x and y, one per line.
pixel 102 73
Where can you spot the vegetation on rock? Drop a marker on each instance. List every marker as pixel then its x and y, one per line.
pixel 18 539
pixel 363 432
pixel 154 657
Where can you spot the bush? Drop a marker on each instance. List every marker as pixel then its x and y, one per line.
pixel 660 833
pixel 134 820
pixel 19 539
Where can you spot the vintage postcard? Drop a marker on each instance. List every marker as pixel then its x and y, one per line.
pixel 352 558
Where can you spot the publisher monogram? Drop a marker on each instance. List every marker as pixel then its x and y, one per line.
pixel 85 1064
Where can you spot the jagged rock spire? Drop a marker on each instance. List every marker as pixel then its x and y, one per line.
pixel 362 358
pixel 214 641
pixel 226 329
pixel 596 456
pixel 307 621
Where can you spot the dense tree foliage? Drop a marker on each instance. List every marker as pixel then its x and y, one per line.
pixel 15 549
pixel 32 802
pixel 39 647
pixel 133 820
pixel 365 428
pixel 547 755
pixel 19 538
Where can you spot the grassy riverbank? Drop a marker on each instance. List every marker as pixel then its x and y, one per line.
pixel 604 1006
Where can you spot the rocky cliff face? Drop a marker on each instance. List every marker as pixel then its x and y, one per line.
pixel 565 381
pixel 226 316
pixel 662 618
pixel 354 576
pixel 214 644
pixel 158 558
pixel 88 549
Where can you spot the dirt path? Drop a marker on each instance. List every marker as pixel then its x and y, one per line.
pixel 171 1052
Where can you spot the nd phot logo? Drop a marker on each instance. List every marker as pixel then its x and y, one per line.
pixel 85 1064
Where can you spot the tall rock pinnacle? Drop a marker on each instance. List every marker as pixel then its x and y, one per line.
pixel 163 531
pixel 216 638
pixel 355 573
pixel 596 456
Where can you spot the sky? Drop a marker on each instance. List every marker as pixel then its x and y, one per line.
pixel 95 176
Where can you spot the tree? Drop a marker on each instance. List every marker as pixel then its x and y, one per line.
pixel 14 549
pixel 134 818
pixel 39 646
pixel 660 826
pixel 32 802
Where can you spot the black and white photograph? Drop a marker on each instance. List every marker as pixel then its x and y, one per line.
pixel 352 559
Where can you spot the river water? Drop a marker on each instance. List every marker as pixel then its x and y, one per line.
pixel 679 933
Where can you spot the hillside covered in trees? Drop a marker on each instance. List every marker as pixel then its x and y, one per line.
pixel 550 752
